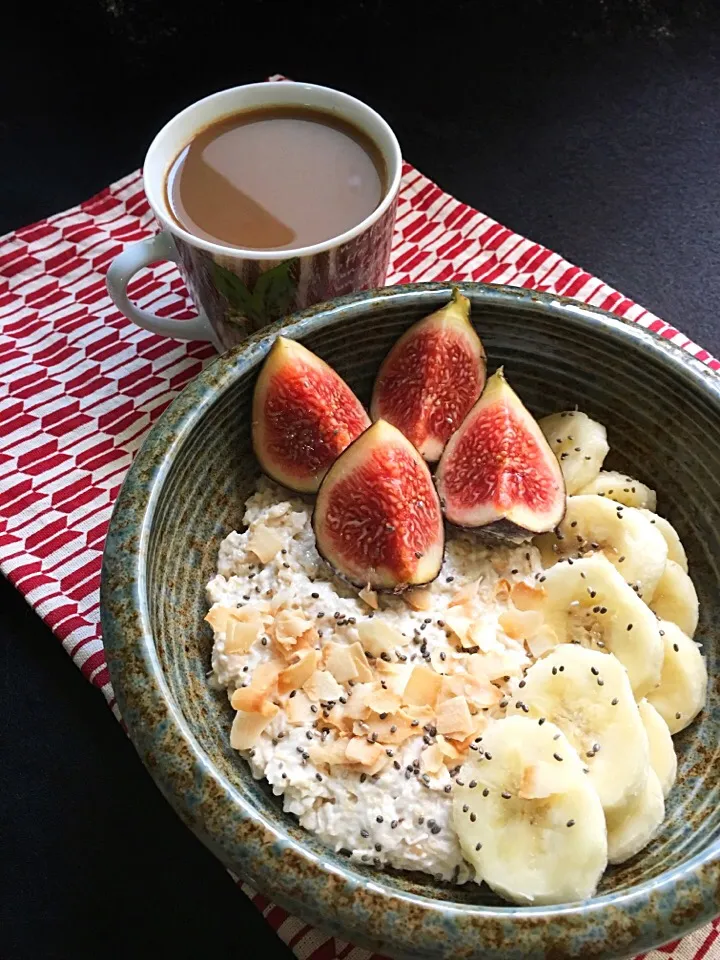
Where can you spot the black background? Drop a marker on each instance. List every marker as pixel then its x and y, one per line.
pixel 592 127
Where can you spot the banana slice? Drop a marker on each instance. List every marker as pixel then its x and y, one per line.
pixel 588 696
pixel 663 758
pixel 616 486
pixel 528 818
pixel 633 828
pixel 627 538
pixel 675 598
pixel 683 683
pixel 588 602
pixel 579 443
pixel 676 551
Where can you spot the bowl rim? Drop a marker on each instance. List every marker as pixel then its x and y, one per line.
pixel 368 911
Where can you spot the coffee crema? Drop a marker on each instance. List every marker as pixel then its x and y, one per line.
pixel 277 177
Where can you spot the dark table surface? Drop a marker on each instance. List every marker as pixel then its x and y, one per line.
pixel 592 128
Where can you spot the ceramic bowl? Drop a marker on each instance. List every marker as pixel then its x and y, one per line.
pixel 185 492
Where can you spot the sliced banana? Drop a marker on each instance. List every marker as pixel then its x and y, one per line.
pixel 579 443
pixel 627 538
pixel 683 684
pixel 663 758
pixel 616 486
pixel 531 824
pixel 633 828
pixel 675 598
pixel 676 551
pixel 587 694
pixel 588 602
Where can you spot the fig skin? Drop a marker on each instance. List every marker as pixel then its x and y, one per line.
pixel 304 415
pixel 377 517
pixel 498 475
pixel 432 377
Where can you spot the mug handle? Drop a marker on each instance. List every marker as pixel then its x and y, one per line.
pixel 123 269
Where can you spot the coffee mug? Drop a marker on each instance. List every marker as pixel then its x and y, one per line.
pixel 238 291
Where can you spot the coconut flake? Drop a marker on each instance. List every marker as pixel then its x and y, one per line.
pixel 369 596
pixel 466 593
pixel 520 624
pixel 382 701
pixel 419 599
pixel 264 542
pixel 298 672
pixel 378 637
pixel 359 750
pixel 322 685
pixel 453 718
pixel 527 597
pixel 432 760
pixel 543 640
pixel 298 708
pixel 339 660
pixel 247 727
pixel 423 687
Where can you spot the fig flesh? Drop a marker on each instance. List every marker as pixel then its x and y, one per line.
pixel 431 378
pixel 377 517
pixel 304 415
pixel 498 472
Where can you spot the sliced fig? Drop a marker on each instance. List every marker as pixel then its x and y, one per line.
pixel 431 378
pixel 304 415
pixel 377 517
pixel 498 471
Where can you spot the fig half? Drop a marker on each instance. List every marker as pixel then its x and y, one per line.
pixel 377 517
pixel 432 377
pixel 498 471
pixel 303 417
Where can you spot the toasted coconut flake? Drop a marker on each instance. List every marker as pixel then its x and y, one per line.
pixel 448 750
pixel 290 625
pixel 419 599
pixel 247 727
pixel 527 597
pixel 394 675
pixel 502 590
pixel 466 593
pixel 331 752
pixel 299 671
pixel 520 624
pixel 364 673
pixel 452 686
pixel 492 666
pixel 338 717
pixel 356 707
pixel 298 708
pixel 257 697
pixel 264 542
pixel 322 685
pixel 383 701
pixel 483 635
pixel 432 760
pixel 481 693
pixel 542 640
pixel 540 781
pixel 369 596
pixel 378 637
pixel 382 761
pixel 423 687
pixel 422 712
pixel 393 729
pixel 340 662
pixel 217 617
pixel 241 634
pixel 460 626
pixel 359 750
pixel 453 718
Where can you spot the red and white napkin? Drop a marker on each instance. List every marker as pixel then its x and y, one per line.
pixel 80 386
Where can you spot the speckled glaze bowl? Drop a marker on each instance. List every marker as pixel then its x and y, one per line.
pixel 185 492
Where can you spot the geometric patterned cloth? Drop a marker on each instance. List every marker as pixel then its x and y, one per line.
pixel 80 386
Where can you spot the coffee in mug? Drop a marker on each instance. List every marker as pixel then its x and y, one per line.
pixel 271 197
